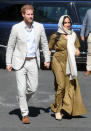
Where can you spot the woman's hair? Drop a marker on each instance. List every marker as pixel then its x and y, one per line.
pixel 26 7
pixel 68 18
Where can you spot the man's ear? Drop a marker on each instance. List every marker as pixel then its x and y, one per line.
pixel 23 14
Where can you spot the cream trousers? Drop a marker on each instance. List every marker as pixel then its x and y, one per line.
pixel 27 83
pixel 89 53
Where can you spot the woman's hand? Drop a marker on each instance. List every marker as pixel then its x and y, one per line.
pixel 77 52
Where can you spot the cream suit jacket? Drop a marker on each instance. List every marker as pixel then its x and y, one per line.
pixel 17 46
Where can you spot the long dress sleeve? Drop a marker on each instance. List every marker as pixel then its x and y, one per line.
pixel 52 41
pixel 77 42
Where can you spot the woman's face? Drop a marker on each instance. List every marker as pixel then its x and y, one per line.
pixel 67 23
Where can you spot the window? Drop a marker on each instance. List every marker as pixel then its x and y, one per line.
pixel 50 12
pixel 44 12
pixel 81 9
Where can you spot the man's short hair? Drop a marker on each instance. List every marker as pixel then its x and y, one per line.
pixel 26 7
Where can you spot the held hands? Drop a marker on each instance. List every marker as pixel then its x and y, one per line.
pixel 47 64
pixel 50 52
pixel 77 52
pixel 9 68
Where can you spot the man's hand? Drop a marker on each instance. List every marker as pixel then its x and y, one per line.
pixel 47 64
pixel 77 52
pixel 82 38
pixel 9 68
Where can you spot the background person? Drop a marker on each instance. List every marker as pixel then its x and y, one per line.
pixel 86 32
pixel 23 55
pixel 66 45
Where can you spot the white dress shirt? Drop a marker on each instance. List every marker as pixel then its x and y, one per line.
pixel 30 40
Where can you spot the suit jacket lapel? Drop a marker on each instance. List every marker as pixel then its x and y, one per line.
pixel 22 31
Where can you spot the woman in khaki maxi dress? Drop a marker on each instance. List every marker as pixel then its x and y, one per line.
pixel 68 96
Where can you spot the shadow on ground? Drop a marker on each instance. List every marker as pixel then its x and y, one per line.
pixel 33 111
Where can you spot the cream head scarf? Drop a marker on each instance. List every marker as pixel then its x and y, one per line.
pixel 61 28
pixel 71 68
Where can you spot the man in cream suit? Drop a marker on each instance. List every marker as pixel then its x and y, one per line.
pixel 23 55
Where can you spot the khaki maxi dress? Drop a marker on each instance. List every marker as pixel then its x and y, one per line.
pixel 68 96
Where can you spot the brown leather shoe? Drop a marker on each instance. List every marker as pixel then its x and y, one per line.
pixel 87 73
pixel 25 120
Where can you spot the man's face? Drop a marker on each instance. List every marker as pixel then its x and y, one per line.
pixel 28 16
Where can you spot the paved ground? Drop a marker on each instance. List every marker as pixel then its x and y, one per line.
pixel 40 115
